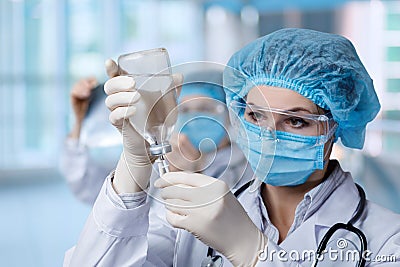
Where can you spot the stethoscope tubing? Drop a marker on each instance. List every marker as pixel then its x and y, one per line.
pixel 211 259
pixel 349 227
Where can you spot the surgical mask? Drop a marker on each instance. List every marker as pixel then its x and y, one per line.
pixel 199 126
pixel 282 158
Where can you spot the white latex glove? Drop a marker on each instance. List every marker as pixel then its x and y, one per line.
pixel 205 207
pixel 135 165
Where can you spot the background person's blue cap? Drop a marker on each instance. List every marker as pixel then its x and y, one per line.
pixel 207 83
pixel 322 67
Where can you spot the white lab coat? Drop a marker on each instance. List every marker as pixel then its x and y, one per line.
pixel 118 237
pixel 83 174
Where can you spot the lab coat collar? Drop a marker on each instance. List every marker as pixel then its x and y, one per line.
pixel 302 239
pixel 298 240
pixel 338 207
pixel 341 205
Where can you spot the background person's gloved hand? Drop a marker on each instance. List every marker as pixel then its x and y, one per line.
pixel 205 207
pixel 184 156
pixel 135 165
pixel 80 95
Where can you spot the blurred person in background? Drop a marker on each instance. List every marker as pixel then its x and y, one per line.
pixel 291 94
pixel 201 139
pixel 91 150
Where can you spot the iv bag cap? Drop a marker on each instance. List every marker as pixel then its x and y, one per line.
pixel 160 149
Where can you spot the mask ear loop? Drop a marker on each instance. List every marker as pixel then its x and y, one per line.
pixel 331 141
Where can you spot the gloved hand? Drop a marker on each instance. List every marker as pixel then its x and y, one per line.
pixel 205 207
pixel 135 165
pixel 184 156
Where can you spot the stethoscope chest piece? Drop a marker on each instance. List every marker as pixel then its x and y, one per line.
pixel 212 261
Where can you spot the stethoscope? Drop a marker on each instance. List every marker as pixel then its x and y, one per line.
pixel 213 260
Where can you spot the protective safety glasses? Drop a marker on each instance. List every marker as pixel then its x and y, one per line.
pixel 282 125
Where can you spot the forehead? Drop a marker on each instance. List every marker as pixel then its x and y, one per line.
pixel 280 98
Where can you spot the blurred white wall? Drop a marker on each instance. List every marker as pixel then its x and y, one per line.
pixel 226 32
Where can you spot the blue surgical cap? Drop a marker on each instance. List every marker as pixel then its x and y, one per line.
pixel 207 83
pixel 322 67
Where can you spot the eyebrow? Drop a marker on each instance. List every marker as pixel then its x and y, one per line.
pixel 294 109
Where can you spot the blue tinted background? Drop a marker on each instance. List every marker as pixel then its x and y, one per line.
pixel 47 45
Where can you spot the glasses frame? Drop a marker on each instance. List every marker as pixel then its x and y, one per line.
pixel 327 118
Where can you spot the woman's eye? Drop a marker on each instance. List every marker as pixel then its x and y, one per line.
pixel 255 116
pixel 296 122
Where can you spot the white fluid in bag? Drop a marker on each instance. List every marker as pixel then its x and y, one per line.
pixel 156 111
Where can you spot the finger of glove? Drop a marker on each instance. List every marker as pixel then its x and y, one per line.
pixel 177 192
pixel 178 206
pixel 119 84
pixel 121 99
pixel 183 178
pixel 120 114
pixel 175 219
pixel 111 68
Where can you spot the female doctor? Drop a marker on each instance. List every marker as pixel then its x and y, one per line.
pixel 291 95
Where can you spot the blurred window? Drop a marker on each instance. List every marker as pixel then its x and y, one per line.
pixel 48 45
pixel 393 53
pixel 393 22
pixel 393 85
